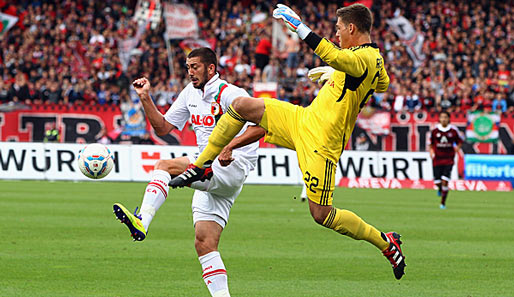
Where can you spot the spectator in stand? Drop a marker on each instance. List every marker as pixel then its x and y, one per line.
pixel 102 94
pixel 263 51
pixel 282 95
pixel 399 101
pixel 271 71
pixel 292 48
pixel 19 91
pixel 412 102
pixel 4 92
pixel 52 134
pixel 499 104
pixel 467 45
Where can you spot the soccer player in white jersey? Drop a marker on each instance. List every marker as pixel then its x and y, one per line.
pixel 203 101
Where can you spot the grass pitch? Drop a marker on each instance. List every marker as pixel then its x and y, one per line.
pixel 61 239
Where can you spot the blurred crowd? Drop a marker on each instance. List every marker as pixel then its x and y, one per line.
pixel 67 52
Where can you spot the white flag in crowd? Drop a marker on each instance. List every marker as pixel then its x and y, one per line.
pixel 412 40
pixel 181 21
pixel 6 22
pixel 145 14
pixel 148 12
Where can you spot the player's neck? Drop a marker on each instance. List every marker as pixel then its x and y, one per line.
pixel 363 39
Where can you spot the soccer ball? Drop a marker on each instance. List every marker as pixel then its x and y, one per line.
pixel 95 161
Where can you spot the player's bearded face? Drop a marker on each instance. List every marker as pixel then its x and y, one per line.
pixel 197 71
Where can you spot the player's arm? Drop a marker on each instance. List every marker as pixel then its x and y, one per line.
pixel 340 59
pixel 457 147
pixel 251 134
pixel 459 140
pixel 383 81
pixel 159 124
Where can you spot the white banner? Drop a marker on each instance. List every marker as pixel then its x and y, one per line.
pixel 6 22
pixel 58 161
pixel 55 161
pixel 127 46
pixel 412 40
pixel 181 21
pixel 390 165
pixel 148 11
pixel 401 27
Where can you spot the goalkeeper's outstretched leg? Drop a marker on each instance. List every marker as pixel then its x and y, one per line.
pixel 241 110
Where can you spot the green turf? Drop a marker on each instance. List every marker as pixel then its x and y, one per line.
pixel 61 239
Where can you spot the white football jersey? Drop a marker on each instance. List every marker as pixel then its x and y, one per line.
pixel 201 109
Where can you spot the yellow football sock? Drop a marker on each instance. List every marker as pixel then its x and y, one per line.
pixel 348 223
pixel 226 129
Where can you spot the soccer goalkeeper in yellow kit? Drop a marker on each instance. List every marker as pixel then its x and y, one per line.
pixel 319 132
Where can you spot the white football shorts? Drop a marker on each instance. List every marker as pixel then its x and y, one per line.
pixel 213 198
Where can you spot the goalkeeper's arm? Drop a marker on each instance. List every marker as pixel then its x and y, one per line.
pixel 340 59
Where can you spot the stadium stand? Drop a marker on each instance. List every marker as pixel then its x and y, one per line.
pixel 50 56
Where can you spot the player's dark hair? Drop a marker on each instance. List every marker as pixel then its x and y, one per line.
pixel 207 56
pixel 445 112
pixel 357 14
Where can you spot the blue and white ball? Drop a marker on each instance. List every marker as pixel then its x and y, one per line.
pixel 95 161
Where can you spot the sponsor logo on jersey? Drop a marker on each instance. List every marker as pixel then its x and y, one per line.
pixel 203 120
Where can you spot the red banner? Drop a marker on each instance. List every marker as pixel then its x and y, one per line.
pixel 456 185
pixel 409 131
pixel 76 124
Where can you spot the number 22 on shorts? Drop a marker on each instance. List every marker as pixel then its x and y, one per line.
pixel 314 181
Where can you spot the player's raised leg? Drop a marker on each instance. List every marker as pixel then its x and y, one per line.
pixel 155 194
pixel 348 223
pixel 241 110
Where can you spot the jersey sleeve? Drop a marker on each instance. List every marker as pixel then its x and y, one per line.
pixel 459 137
pixel 178 114
pixel 344 60
pixel 229 94
pixel 383 81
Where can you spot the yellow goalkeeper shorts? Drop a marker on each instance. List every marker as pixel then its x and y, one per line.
pixel 284 125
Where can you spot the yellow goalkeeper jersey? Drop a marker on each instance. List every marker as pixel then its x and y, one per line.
pixel 329 121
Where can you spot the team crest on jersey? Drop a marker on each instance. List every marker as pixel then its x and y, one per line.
pixel 215 108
